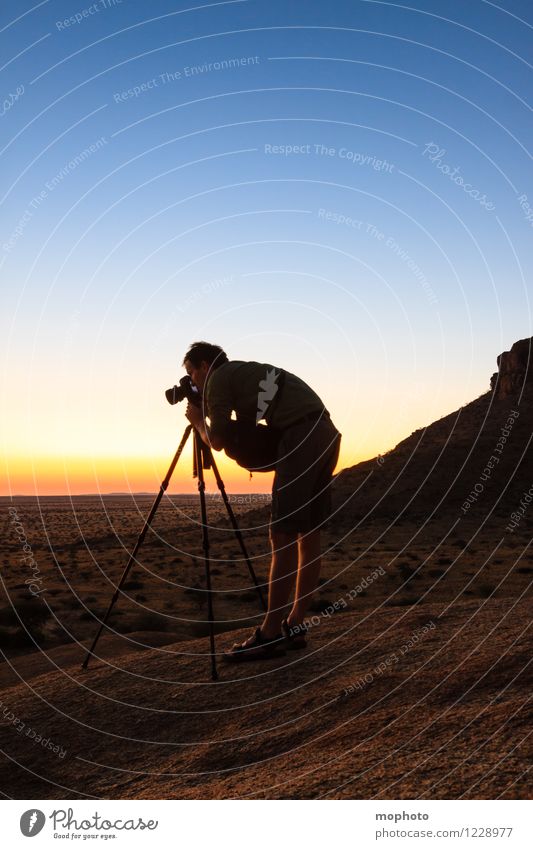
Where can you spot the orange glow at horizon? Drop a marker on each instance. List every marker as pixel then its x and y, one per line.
pixel 101 475
pixel 74 475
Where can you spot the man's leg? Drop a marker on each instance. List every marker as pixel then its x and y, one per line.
pixel 281 581
pixel 308 575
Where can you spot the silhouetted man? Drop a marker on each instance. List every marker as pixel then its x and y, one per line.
pixel 307 454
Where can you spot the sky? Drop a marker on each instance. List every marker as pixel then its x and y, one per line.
pixel 343 190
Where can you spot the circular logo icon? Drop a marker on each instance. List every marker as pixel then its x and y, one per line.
pixel 31 822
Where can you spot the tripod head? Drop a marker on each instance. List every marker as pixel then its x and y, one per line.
pixel 178 393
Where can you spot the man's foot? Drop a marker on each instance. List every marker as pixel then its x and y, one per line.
pixel 295 635
pixel 256 647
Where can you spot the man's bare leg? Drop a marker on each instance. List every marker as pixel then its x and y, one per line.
pixel 282 578
pixel 308 575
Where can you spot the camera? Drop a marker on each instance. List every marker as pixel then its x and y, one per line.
pixel 185 390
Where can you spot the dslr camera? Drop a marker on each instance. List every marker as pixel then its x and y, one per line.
pixel 185 390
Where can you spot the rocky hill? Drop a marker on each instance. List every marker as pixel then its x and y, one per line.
pixel 475 462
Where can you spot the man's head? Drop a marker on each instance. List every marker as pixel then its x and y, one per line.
pixel 201 359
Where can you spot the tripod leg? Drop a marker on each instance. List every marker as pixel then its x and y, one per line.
pixel 155 505
pixel 231 514
pixel 205 542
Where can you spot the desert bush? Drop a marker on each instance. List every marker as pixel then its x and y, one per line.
pixel 320 605
pixel 248 595
pixel 133 585
pixel 85 615
pixel 402 602
pixel 15 639
pixel 32 612
pixel 148 621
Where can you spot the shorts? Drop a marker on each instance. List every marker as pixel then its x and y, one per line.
pixel 301 493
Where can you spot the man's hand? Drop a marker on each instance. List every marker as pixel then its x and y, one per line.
pixel 195 416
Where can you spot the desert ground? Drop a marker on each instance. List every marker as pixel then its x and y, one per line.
pixel 414 684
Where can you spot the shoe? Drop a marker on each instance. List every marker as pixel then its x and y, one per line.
pixel 295 635
pixel 255 647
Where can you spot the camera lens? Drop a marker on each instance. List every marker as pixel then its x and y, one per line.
pixel 174 394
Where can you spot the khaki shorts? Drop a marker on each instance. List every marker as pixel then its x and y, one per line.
pixel 301 493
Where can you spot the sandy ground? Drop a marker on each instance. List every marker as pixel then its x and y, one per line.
pixel 413 685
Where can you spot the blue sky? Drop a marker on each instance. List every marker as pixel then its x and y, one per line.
pixel 279 178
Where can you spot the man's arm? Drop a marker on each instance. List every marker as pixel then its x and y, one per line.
pixel 217 405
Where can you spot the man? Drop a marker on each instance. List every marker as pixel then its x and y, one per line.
pixel 301 499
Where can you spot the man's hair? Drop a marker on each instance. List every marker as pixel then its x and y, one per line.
pixel 200 351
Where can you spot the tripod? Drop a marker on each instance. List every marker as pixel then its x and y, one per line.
pixel 202 459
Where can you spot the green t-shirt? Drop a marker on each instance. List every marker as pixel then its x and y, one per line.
pixel 250 389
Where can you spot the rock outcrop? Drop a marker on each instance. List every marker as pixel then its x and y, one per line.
pixel 515 368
